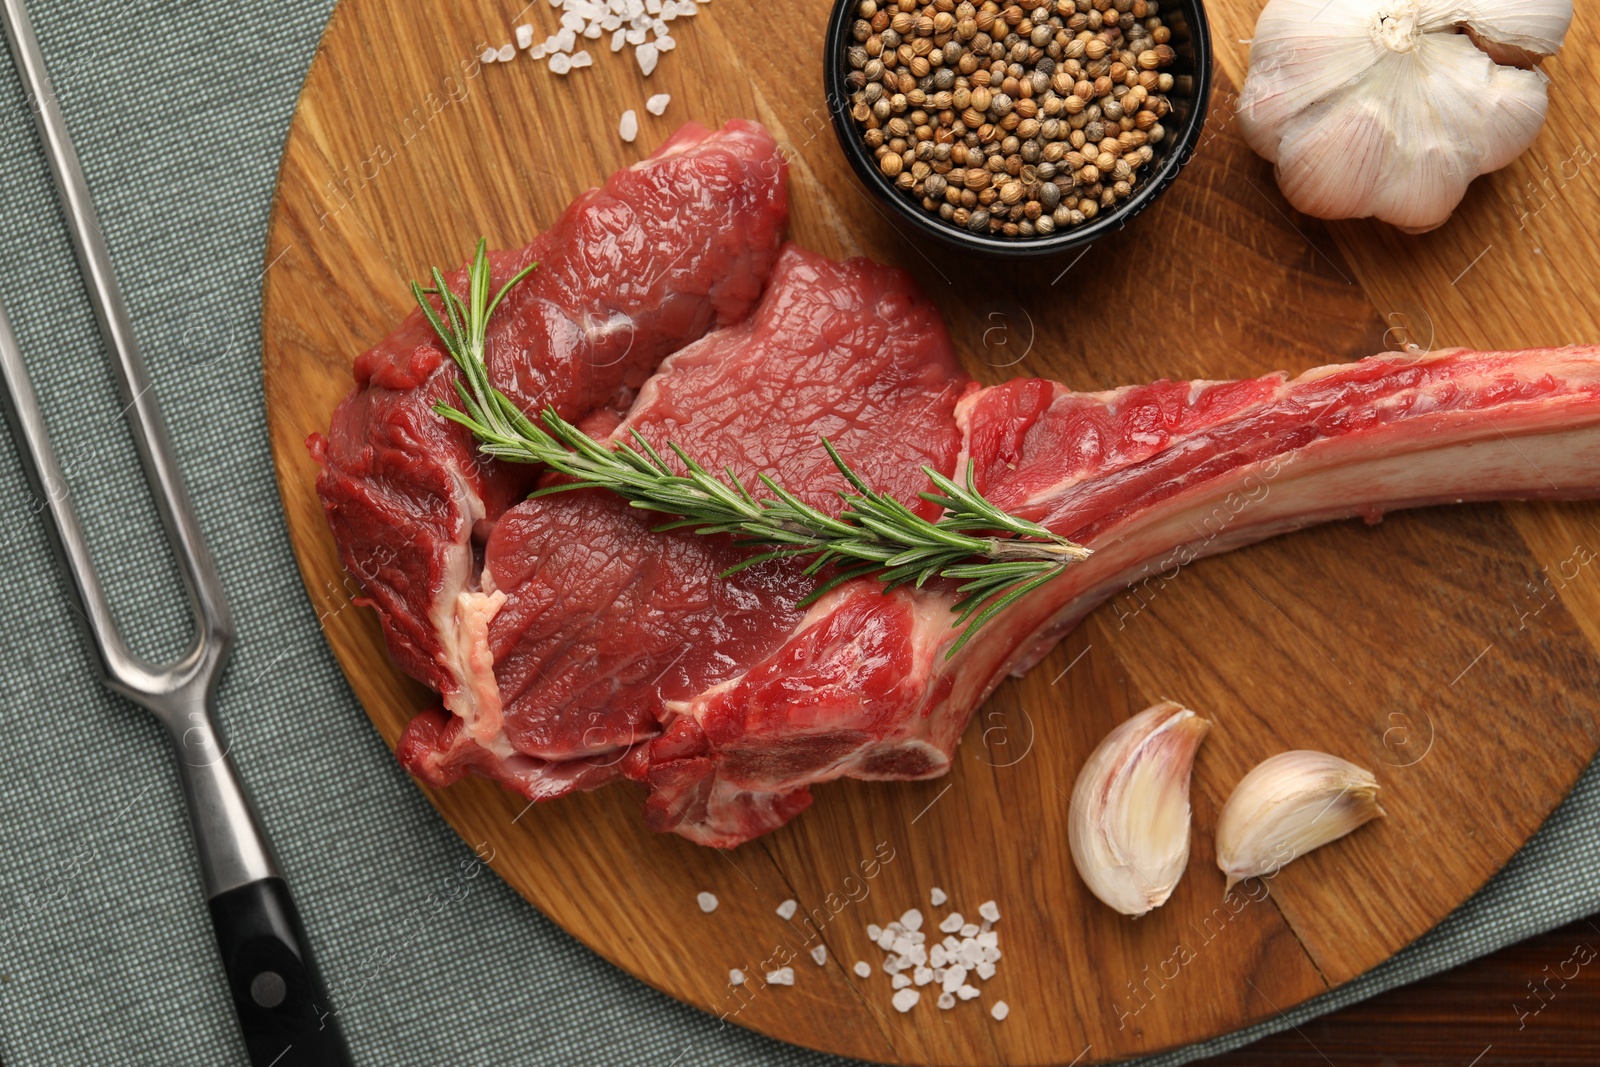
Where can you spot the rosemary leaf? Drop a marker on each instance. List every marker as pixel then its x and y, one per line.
pixel 873 535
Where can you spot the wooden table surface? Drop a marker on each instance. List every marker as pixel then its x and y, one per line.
pixel 1482 1014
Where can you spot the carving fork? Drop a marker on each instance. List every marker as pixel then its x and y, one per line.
pixel 275 987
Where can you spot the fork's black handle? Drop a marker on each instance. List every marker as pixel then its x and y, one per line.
pixel 284 1012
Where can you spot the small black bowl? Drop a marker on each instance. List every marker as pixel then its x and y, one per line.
pixel 1191 39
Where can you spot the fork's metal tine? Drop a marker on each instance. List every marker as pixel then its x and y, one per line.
pixel 214 624
pixel 50 485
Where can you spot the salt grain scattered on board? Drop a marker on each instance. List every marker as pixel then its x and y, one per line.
pixel 508 52
pixel 647 55
pixel 707 902
pixel 644 24
pixel 1000 1010
pixel 786 910
pixel 906 999
pixel 781 976
pixel 966 953
pixel 628 129
pixel 657 104
pixel 820 955
pixel 736 977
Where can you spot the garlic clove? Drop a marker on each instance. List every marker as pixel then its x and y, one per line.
pixel 1288 805
pixel 1129 824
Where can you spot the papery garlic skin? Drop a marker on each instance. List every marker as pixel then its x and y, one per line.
pixel 1287 806
pixel 1129 824
pixel 1390 108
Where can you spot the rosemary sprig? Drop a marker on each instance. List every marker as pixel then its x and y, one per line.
pixel 997 558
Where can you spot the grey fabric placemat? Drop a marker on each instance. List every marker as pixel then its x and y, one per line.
pixel 106 956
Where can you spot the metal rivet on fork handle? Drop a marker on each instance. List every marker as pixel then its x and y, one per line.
pixel 253 916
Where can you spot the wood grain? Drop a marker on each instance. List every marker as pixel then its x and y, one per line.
pixel 1415 647
pixel 1532 1004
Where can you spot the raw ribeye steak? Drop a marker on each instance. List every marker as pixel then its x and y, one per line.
pixel 596 626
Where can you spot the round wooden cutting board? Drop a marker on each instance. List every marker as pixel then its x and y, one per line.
pixel 1451 650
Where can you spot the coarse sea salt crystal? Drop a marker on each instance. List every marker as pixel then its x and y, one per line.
pixel 952 922
pixel 990 911
pixel 507 53
pixel 593 31
pixel 628 128
pixel 947 1001
pixel 874 931
pixel 906 999
pixel 525 35
pixel 1000 1010
pixel 611 22
pixel 736 977
pixel 653 6
pixel 900 981
pixel 707 902
pixel 922 976
pixel 787 909
pixel 665 44
pixel 537 51
pixel 582 59
pixel 985 970
pixel 886 940
pixel 819 955
pixel 781 976
pixel 647 55
pixel 572 21
pixel 560 63
pixel 618 39
pixel 970 930
pixel 912 920
pixel 635 36
pixel 489 55
pixel 658 27
pixel 967 992
pixel 863 969
pixel 566 41
pixel 988 939
pixel 937 896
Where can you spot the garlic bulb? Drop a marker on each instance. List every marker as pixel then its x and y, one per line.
pixel 1289 805
pixel 1129 824
pixel 1390 108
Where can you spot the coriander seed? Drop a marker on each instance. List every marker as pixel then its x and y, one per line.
pixel 1012 119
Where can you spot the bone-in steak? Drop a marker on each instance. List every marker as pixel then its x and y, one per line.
pixel 593 648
